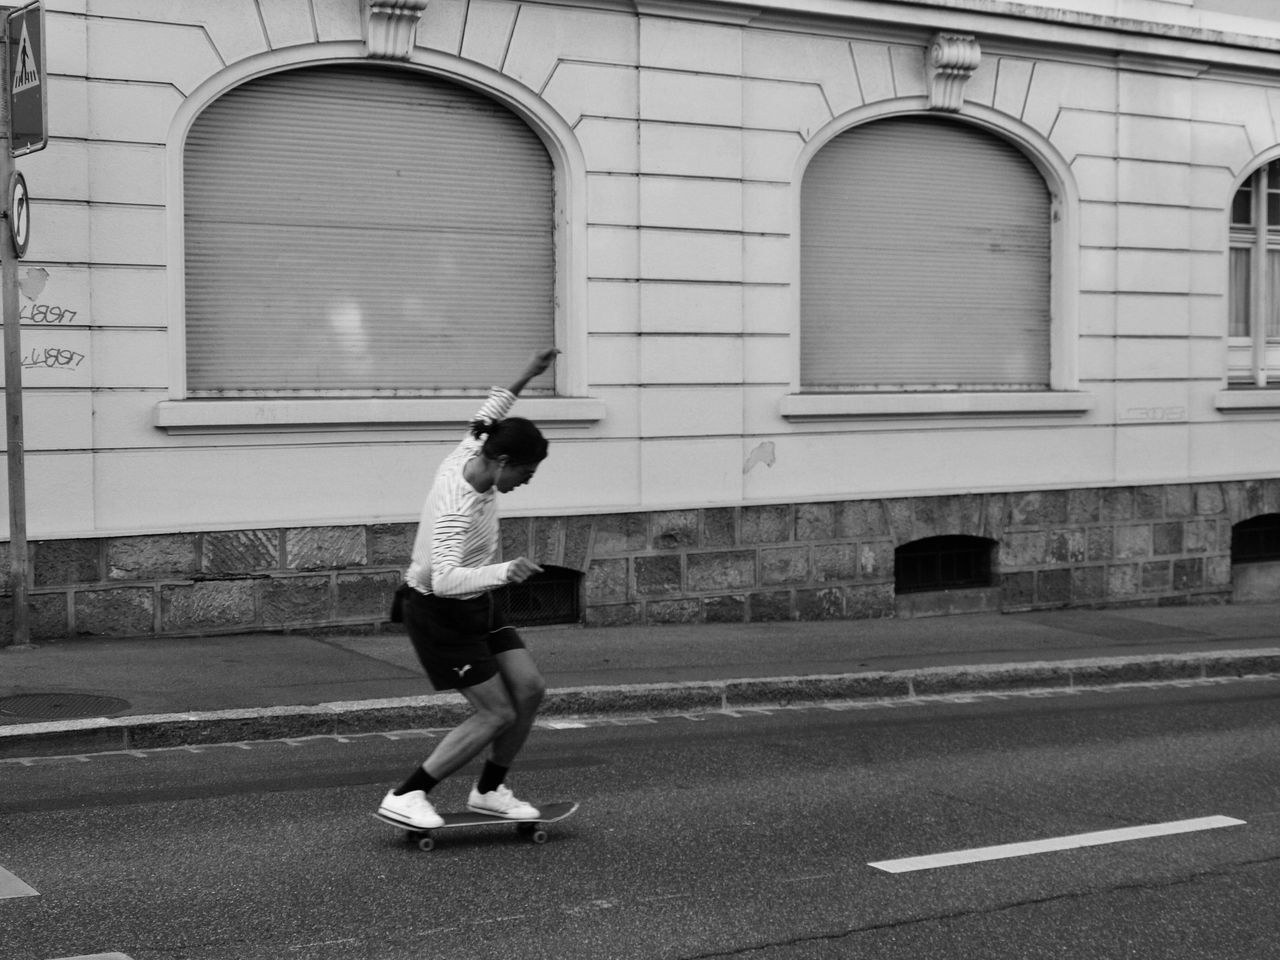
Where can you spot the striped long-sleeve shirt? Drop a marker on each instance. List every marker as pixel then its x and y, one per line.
pixel 457 544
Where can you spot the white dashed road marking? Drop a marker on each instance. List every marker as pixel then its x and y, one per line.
pixel 11 886
pixel 1098 838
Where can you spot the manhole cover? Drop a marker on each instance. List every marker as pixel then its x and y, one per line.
pixel 61 706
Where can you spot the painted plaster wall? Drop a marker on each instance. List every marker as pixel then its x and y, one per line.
pixel 691 134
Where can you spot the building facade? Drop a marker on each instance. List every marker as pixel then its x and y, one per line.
pixel 866 309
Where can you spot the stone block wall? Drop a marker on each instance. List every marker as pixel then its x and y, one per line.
pixel 1162 544
pixel 217 582
pixel 1165 544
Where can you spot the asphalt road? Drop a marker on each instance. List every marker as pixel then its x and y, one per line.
pixel 746 836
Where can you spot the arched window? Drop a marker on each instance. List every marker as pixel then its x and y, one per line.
pixel 1254 326
pixel 353 230
pixel 925 262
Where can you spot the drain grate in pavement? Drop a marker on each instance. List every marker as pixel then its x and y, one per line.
pixel 61 706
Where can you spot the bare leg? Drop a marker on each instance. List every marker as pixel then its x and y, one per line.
pixel 495 713
pixel 525 687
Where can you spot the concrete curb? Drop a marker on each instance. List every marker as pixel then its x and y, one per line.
pixel 444 710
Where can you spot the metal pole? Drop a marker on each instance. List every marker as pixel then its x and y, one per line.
pixel 19 559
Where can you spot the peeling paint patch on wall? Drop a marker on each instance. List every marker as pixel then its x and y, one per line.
pixel 763 453
pixel 32 282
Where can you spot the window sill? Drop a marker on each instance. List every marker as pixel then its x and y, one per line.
pixel 1247 399
pixel 295 416
pixel 820 406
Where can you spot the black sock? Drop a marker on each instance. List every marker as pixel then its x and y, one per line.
pixel 491 777
pixel 421 780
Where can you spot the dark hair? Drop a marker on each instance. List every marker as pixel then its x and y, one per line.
pixel 517 439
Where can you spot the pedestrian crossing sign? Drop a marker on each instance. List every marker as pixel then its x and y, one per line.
pixel 26 79
pixel 26 74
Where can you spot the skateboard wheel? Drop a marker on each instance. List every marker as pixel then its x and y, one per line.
pixel 538 836
pixel 426 843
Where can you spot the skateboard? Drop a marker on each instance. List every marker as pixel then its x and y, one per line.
pixel 533 830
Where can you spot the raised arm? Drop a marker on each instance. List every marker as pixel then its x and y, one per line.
pixel 539 363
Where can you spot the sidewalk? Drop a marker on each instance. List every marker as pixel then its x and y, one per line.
pixel 260 686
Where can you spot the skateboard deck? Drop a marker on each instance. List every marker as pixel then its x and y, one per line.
pixel 533 830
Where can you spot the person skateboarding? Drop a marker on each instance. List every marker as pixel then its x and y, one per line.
pixel 447 607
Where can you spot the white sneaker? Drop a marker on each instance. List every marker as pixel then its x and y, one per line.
pixel 501 803
pixel 410 809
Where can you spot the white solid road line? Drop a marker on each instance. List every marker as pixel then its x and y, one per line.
pixel 11 886
pixel 1003 851
pixel 98 956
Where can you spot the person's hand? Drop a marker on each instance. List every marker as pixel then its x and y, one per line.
pixel 521 569
pixel 538 363
pixel 541 361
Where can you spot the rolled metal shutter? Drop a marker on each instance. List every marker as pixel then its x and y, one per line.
pixel 925 261
pixel 354 230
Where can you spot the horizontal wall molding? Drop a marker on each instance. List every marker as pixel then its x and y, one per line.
pixel 236 415
pixel 819 406
pixel 1247 400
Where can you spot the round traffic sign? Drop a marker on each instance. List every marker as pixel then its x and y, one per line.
pixel 19 213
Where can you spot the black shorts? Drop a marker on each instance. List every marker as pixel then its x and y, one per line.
pixel 456 640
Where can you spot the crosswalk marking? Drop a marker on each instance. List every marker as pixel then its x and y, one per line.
pixel 11 886
pixel 1003 851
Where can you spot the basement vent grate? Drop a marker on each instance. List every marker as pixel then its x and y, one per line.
pixel 943 563
pixel 545 598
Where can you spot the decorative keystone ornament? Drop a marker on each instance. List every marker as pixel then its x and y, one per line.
pixel 951 61
pixel 391 27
